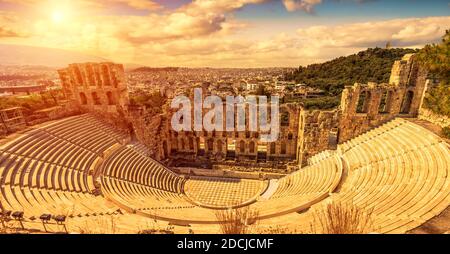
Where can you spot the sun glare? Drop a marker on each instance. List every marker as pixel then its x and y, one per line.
pixel 57 16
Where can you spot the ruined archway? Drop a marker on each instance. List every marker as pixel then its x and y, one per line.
pixel 407 101
pixel 83 99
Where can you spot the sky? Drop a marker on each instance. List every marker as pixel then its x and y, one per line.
pixel 222 33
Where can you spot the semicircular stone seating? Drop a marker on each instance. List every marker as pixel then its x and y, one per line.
pixel 144 186
pixel 399 171
pixel 48 170
pixel 302 189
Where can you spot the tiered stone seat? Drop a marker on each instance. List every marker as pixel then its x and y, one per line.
pixel 303 188
pixel 401 172
pixel 47 170
pixel 320 156
pixel 223 192
pixel 107 128
pixel 140 183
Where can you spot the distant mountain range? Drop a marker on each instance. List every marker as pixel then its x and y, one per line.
pixel 38 56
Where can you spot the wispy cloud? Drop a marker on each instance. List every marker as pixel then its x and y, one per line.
pixel 304 5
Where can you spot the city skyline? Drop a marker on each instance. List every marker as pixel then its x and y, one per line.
pixel 202 33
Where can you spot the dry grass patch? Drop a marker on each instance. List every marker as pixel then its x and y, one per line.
pixel 340 218
pixel 99 225
pixel 237 221
pixel 276 230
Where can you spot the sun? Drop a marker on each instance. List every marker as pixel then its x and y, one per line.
pixel 57 16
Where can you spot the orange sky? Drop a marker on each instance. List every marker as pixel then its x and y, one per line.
pixel 217 33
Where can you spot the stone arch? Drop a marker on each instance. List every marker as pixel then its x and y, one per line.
pixel 284 118
pixel 242 146
pixel 96 99
pixel 210 145
pixel 219 146
pixel 385 102
pixel 273 148
pixel 252 147
pixel 83 99
pixel 363 102
pixel 110 97
pixel 407 101
pixel 283 148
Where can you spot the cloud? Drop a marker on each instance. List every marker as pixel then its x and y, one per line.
pixel 304 5
pixel 196 19
pixel 206 33
pixel 400 32
pixel 217 6
pixel 308 5
pixel 9 27
pixel 140 4
pixel 4 32
pixel 137 4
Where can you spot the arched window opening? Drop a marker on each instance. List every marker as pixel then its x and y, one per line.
pixel 111 100
pixel 363 102
pixel 407 101
pixel 95 98
pixel 385 102
pixel 252 147
pixel 284 118
pixel 272 148
pixel 242 146
pixel 83 98
pixel 283 148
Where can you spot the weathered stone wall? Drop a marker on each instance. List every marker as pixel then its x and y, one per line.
pixel 102 88
pixel 97 87
pixel 240 146
pixel 148 129
pixel 366 106
pixel 318 132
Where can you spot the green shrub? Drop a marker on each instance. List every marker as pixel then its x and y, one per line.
pixel 446 131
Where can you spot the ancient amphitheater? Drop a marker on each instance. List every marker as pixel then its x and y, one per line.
pixel 84 169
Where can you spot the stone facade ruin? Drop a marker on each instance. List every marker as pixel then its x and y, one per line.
pixel 102 88
pixel 99 88
pixel 95 86
pixel 366 106
pixel 318 132
pixel 237 146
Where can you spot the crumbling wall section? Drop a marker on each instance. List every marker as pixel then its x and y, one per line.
pixel 318 132
pixel 366 106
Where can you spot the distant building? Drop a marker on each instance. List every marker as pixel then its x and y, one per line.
pixel 24 89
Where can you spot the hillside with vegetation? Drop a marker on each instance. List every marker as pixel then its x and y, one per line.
pixel 371 65
pixel 33 102
pixel 437 58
